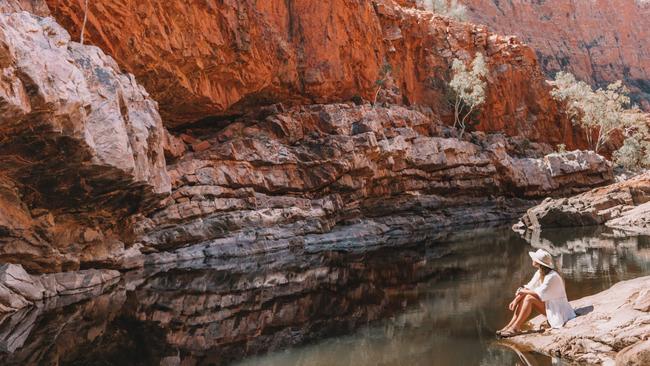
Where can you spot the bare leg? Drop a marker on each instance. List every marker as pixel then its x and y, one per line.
pixel 515 315
pixel 528 304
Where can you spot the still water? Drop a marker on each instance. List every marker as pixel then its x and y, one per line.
pixel 435 302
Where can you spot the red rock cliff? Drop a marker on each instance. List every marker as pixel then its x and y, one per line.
pixel 92 178
pixel 215 58
pixel 600 41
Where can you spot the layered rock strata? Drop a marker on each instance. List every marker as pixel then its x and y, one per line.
pixel 81 146
pixel 202 60
pixel 18 289
pixel 624 205
pixel 289 179
pixel 613 327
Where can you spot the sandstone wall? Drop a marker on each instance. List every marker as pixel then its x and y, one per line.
pixel 81 147
pixel 88 165
pixel 599 41
pixel 215 58
pixel 290 178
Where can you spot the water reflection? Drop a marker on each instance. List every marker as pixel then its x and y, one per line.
pixel 594 258
pixel 430 303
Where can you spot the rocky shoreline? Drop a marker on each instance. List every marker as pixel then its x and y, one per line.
pixel 613 328
pixel 624 205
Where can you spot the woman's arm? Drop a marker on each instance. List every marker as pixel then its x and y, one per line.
pixel 524 291
pixel 518 297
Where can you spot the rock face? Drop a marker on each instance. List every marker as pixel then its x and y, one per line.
pixel 18 289
pixel 88 166
pixel 36 7
pixel 624 205
pixel 221 58
pixel 292 177
pixel 599 41
pixel 81 147
pixel 612 323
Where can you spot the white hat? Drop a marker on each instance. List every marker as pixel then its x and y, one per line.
pixel 542 257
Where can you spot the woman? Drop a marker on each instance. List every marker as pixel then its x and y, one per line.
pixel 545 293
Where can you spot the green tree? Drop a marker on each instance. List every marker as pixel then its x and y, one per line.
pixel 601 112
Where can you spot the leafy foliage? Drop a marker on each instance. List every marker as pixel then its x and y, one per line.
pixel 635 152
pixel 469 88
pixel 450 8
pixel 599 112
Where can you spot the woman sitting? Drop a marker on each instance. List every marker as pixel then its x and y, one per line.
pixel 545 293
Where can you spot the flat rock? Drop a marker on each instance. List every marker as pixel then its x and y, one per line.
pixel 608 323
pixel 635 355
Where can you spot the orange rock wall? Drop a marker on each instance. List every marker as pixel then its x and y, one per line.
pixel 600 41
pixel 215 58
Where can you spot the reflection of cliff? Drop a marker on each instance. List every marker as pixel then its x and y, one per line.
pixel 433 297
pixel 212 315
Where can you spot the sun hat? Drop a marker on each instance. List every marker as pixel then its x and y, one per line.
pixel 542 257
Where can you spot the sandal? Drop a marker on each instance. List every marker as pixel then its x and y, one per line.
pixel 510 333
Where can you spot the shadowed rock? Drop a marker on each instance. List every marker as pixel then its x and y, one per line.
pixel 81 151
pixel 343 176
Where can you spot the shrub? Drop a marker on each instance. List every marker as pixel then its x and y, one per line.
pixel 468 87
pixel 635 152
pixel 385 73
pixel 599 112
pixel 450 8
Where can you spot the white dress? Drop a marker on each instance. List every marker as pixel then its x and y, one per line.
pixel 551 291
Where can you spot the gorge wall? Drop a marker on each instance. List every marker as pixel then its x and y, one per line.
pixel 265 137
pixel 599 41
pixel 81 147
pixel 221 58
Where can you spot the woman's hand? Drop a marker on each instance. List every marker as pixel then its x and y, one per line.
pixel 513 304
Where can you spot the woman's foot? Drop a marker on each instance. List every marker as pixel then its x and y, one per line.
pixel 510 332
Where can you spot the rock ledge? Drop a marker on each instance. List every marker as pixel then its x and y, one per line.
pixel 613 328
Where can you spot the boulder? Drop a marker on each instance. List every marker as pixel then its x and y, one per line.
pixel 15 278
pixel 82 146
pixel 624 205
